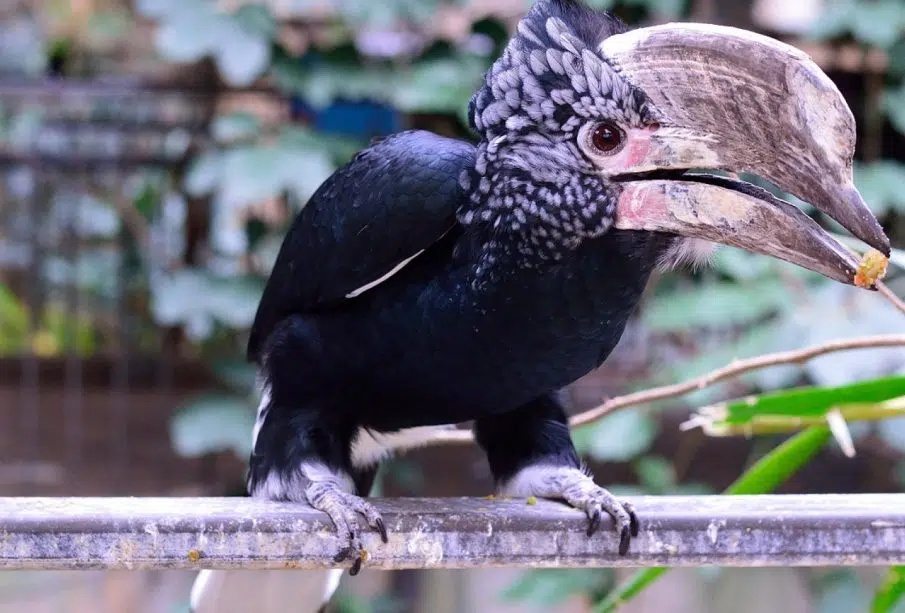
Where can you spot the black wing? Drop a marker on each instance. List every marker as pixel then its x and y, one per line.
pixel 394 199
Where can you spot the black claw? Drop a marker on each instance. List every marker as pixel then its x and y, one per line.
pixel 342 555
pixel 594 523
pixel 636 525
pixel 382 529
pixel 625 538
pixel 356 566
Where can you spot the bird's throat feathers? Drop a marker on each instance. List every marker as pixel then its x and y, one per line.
pixel 528 207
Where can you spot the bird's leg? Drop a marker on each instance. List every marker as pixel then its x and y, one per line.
pixel 344 509
pixel 299 456
pixel 531 453
pixel 330 490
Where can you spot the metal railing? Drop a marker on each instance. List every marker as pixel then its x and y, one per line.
pixel 194 533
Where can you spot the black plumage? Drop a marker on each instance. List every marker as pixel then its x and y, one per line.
pixel 507 284
pixel 432 281
pixel 391 201
pixel 426 346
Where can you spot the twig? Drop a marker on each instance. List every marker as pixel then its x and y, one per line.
pixel 735 369
pixel 889 295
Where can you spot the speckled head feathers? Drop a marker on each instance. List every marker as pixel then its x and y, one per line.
pixel 551 74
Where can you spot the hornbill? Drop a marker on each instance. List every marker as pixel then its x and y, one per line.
pixel 431 281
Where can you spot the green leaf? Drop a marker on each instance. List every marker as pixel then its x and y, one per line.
pixel 190 35
pixel 716 305
pixel 893 102
pixel 347 602
pixel 157 9
pixel 256 19
pixel 211 424
pixel 242 57
pixel 834 19
pixel 897 59
pixel 741 265
pixel 880 182
pixel 547 588
pixel 879 22
pixel 238 374
pixel 833 312
pixel 251 174
pixel 656 474
pixel 72 333
pixel 299 138
pixel 197 299
pixel 94 270
pixel 583 438
pixel 842 592
pixel 629 589
pixel 107 27
pixel 304 170
pixel 440 86
pixel 762 478
pixel 623 435
pixel 811 401
pixel 240 44
pixel 234 127
pixel 204 173
pixel 891 591
pixel 14 328
pixel 25 127
pixel 665 8
pixel 97 219
pixel 406 474
pixel 234 300
pixel 781 463
pixel 897 258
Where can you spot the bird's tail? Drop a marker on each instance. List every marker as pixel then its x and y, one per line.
pixel 265 591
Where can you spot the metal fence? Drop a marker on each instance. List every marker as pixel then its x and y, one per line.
pixel 90 210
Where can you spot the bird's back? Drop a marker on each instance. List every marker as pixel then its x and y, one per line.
pixel 393 200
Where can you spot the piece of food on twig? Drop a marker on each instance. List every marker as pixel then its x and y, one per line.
pixel 871 269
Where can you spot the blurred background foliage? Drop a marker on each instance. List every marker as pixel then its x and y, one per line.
pixel 298 86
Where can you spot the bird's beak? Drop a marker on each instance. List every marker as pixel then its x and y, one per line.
pixel 731 100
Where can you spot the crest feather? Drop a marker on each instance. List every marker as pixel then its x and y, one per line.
pixel 553 50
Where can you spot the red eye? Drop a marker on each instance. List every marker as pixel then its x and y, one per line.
pixel 606 137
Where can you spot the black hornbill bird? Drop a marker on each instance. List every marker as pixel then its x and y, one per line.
pixel 431 281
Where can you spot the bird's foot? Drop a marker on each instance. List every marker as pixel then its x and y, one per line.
pixel 344 510
pixel 578 489
pixel 597 502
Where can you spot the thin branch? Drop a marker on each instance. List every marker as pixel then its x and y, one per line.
pixel 734 369
pixel 891 297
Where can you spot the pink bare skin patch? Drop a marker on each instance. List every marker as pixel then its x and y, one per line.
pixel 642 207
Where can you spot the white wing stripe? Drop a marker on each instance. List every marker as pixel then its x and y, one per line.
pixel 377 282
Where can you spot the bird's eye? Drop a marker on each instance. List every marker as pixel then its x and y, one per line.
pixel 606 137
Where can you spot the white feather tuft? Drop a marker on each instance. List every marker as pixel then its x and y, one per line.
pixel 370 447
pixel 693 252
